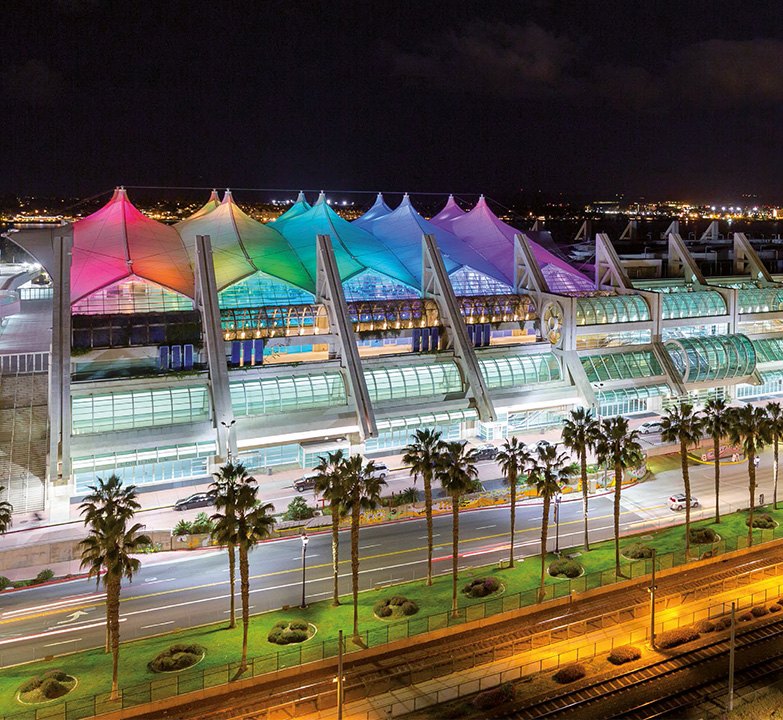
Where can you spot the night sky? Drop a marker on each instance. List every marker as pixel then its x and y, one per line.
pixel 658 99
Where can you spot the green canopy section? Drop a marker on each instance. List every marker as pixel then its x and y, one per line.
pixel 241 246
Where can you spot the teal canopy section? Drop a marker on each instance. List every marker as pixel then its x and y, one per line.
pixel 708 358
pixel 300 207
pixel 378 210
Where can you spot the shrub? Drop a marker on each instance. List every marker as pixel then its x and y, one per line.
pixel 32 684
pixel 494 697
pixel 398 600
pixel 202 524
pixel 570 673
pixel 380 606
pixel 722 623
pixel 761 520
pixel 288 633
pixel 183 527
pixel 58 675
pixel 44 576
pixel 409 608
pixel 194 649
pixel 673 638
pixel 481 587
pixel 624 654
pixel 4 582
pixel 274 635
pixel 51 689
pixel 281 624
pixel 492 584
pixel 565 567
pixel 703 535
pixel 385 611
pixel 759 611
pixel 775 608
pixel 22 583
pixel 299 625
pixel 637 551
pixel 705 626
pixel 177 648
pixel 298 509
pixel 745 617
pixel 177 657
pixel 408 496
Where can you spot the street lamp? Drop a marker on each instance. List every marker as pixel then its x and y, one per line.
pixel 558 498
pixel 228 427
pixel 305 540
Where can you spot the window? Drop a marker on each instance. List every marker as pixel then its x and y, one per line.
pixel 702 303
pixel 608 309
pixel 264 396
pixel 413 381
pixel 621 366
pixel 519 370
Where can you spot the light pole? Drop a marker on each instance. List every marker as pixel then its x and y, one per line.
pixel 652 602
pixel 732 643
pixel 340 675
pixel 558 497
pixel 305 540
pixel 228 427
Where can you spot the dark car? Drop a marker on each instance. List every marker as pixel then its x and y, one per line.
pixel 306 482
pixel 193 501
pixel 485 452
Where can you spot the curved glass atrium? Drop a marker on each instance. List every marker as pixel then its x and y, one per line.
pixel 703 303
pixel 704 359
pixel 606 309
pixel 759 300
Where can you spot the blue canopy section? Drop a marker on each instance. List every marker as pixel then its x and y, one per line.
pixel 379 209
pixel 354 248
pixel 300 207
pixel 402 231
pixel 450 212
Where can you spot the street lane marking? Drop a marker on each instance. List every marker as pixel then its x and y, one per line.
pixel 160 624
pixel 63 642
pixel 486 527
pixel 59 604
pixel 54 632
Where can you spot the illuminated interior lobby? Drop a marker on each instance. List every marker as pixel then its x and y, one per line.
pixel 175 346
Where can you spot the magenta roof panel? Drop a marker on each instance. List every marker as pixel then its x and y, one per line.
pixel 379 209
pixel 118 241
pixel 450 212
pixel 494 239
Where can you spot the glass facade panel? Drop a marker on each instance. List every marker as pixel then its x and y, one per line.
pixel 628 401
pixel 261 458
pixel 138 409
pixel 759 300
pixel 265 396
pixel 772 385
pixel 621 366
pixel 413 381
pixel 703 303
pixel 604 340
pixel 760 326
pixel 260 289
pixel 467 281
pixel 703 359
pixel 519 370
pixel 608 309
pixel 769 349
pixel 694 331
pixel 371 285
pixel 131 296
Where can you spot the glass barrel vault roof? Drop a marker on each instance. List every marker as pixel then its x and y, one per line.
pixel 621 366
pixel 759 300
pixel 608 309
pixel 520 370
pixel 707 358
pixel 703 303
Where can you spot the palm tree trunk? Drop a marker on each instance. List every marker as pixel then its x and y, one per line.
pixel 752 488
pixel 544 529
pixel 686 481
pixel 244 590
pixel 618 482
pixel 108 624
pixel 355 569
pixel 113 609
pixel 428 511
pixel 512 481
pixel 583 460
pixel 232 572
pixel 454 552
pixel 335 552
pixel 775 473
pixel 716 452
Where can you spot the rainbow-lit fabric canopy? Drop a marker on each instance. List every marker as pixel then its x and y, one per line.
pixel 241 246
pixel 483 231
pixel 379 209
pixel 208 207
pixel 450 212
pixel 402 232
pixel 355 249
pixel 300 207
pixel 118 242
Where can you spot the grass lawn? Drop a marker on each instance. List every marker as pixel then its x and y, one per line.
pixel 93 668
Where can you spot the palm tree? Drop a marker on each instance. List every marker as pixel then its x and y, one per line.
pixel 456 470
pixel 421 455
pixel 580 434
pixel 775 414
pixel 513 458
pixel 749 428
pixel 363 493
pixel 547 474
pixel 715 423
pixel 254 523
pixel 223 491
pixel 330 482
pixel 619 447
pixel 5 514
pixel 681 425
pixel 108 547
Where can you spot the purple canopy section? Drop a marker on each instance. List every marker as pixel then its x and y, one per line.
pixel 378 210
pixel 487 234
pixel 450 212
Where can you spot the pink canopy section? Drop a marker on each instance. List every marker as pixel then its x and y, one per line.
pixel 487 234
pixel 118 242
pixel 450 212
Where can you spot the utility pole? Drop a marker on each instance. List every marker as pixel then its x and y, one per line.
pixel 652 602
pixel 730 703
pixel 340 675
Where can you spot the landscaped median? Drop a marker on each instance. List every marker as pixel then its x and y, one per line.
pixel 507 589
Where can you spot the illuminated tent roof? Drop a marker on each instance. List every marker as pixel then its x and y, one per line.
pixel 300 207
pixel 379 209
pixel 483 231
pixel 241 246
pixel 208 207
pixel 402 230
pixel 451 211
pixel 354 248
pixel 118 242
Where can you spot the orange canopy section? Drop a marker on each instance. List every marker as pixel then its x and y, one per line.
pixel 118 241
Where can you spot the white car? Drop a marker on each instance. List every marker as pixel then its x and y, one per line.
pixel 677 502
pixel 650 427
pixel 381 472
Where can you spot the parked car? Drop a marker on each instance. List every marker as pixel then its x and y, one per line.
pixel 193 501
pixel 650 427
pixel 306 482
pixel 486 452
pixel 540 444
pixel 678 501
pixel 381 471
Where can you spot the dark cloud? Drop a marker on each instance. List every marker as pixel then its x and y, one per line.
pixel 33 83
